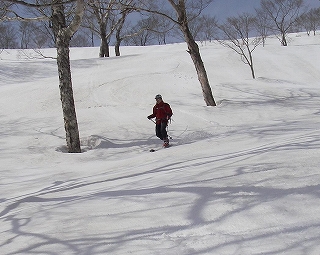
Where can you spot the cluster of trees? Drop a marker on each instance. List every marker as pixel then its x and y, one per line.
pixel 65 17
pixel 123 22
pixel 65 23
pixel 275 17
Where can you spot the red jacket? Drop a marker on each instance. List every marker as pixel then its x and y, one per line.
pixel 162 112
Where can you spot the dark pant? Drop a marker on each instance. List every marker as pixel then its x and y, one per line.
pixel 161 131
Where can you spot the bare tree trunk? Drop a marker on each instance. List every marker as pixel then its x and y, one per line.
pixel 236 31
pixel 117 47
pixel 65 84
pixel 104 46
pixel 251 67
pixel 193 50
pixel 283 39
pixel 284 14
pixel 250 61
pixel 118 32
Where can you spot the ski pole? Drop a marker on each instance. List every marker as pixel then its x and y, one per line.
pixel 170 137
pixel 153 121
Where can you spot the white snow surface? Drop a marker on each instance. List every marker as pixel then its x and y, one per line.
pixel 240 178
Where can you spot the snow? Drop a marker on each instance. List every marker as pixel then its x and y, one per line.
pixel 239 178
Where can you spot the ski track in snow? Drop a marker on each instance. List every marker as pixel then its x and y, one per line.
pixel 239 178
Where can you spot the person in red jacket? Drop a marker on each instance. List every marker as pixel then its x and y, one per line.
pixel 162 112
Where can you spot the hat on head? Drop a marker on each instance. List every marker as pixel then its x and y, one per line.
pixel 158 96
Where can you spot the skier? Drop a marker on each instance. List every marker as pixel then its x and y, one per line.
pixel 162 112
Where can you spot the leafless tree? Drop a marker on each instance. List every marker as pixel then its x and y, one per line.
pixel 142 33
pixel 43 35
pixel 193 48
pixel 26 31
pixel 123 14
pixel 8 38
pixel 80 39
pixel 310 20
pixel 102 11
pixel 284 14
pixel 4 8
pixel 263 24
pixel 153 28
pixel 63 32
pixel 239 37
pixel 162 28
pixel 183 11
pixel 204 28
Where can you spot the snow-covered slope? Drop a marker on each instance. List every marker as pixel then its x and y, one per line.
pixel 240 178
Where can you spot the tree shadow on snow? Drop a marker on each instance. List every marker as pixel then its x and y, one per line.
pixel 94 142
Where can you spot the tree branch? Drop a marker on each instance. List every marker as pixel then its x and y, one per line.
pixel 24 3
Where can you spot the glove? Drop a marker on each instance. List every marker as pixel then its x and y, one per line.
pixel 149 117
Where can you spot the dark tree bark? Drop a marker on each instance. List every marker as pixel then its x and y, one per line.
pixel 103 12
pixel 284 14
pixel 193 50
pixel 104 46
pixel 118 31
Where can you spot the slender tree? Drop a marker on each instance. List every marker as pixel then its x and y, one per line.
pixel 283 14
pixel 204 28
pixel 141 34
pixel 263 24
pixel 103 12
pixel 310 20
pixel 238 36
pixel 193 50
pixel 8 38
pixel 124 12
pixel 181 19
pixel 63 33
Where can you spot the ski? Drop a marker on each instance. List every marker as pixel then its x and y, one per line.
pixel 163 147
